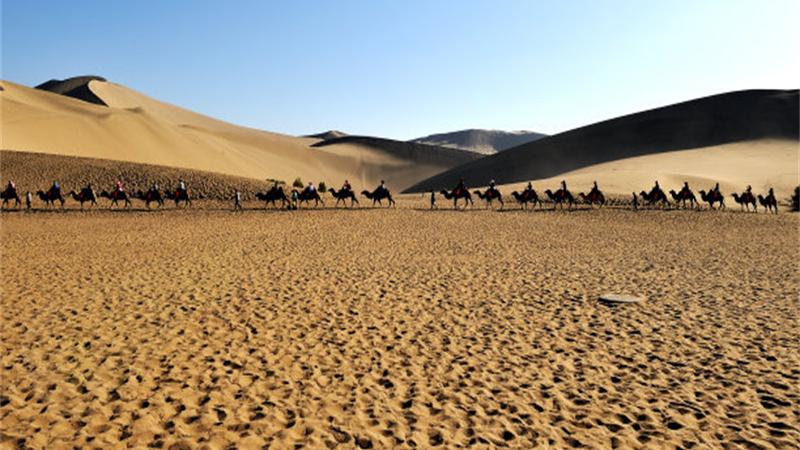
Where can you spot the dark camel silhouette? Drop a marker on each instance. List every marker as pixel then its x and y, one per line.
pixel 115 196
pixel 274 194
pixel 769 202
pixel 683 196
pixel 560 197
pixel 178 197
pixel 654 197
pixel 306 196
pixel 593 197
pixel 713 197
pixel 378 195
pixel 745 200
pixel 527 196
pixel 10 194
pixel 343 195
pixel 49 198
pixel 149 197
pixel 455 196
pixel 86 195
pixel 490 195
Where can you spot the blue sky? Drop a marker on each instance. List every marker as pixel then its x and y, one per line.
pixel 404 69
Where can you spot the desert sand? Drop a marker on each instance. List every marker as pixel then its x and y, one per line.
pixel 137 128
pixel 381 328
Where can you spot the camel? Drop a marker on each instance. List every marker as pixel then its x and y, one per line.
pixel 86 195
pixel 560 197
pixel 456 195
pixel 490 195
pixel 116 196
pixel 49 198
pixel 149 197
pixel 683 196
pixel 10 194
pixel 527 196
pixel 343 195
pixel 713 197
pixel 745 200
pixel 274 194
pixel 378 195
pixel 179 196
pixel 594 196
pixel 654 197
pixel 769 203
pixel 306 196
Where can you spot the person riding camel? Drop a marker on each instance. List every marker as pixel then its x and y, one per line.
pixel 564 185
pixel 685 189
pixel 12 186
pixel 749 190
pixel 656 189
pixel 56 188
pixel 154 187
pixel 181 188
pixel 383 187
pixel 459 187
pixel 492 186
pixel 528 189
pixel 716 188
pixel 595 189
pixel 346 186
pixel 119 187
pixel 311 188
pixel 88 189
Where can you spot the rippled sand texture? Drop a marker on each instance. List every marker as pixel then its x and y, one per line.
pixel 406 328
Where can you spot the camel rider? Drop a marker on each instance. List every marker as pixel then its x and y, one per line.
pixel 181 186
pixel 89 189
pixel 528 189
pixel 492 186
pixel 383 187
pixel 311 188
pixel 154 187
pixel 346 186
pixel 749 189
pixel 119 187
pixel 594 187
pixel 685 188
pixel 564 185
pixel 655 189
pixel 716 188
pixel 56 188
pixel 459 187
pixel 12 187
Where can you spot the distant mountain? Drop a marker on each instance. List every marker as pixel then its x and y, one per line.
pixel 485 142
pixel 710 121
pixel 75 87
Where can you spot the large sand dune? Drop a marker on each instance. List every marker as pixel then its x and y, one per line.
pixel 136 128
pixel 762 164
pixel 398 329
pixel 706 122
pixel 486 142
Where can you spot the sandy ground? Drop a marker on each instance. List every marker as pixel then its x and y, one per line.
pixel 399 328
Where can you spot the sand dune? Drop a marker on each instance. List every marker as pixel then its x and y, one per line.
pixel 762 164
pixel 706 122
pixel 485 142
pixel 136 128
pixel 398 328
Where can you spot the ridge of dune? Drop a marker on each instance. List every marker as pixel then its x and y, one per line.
pixel 134 127
pixel 709 121
pixel 485 142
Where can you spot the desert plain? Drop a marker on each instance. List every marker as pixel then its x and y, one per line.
pixel 398 328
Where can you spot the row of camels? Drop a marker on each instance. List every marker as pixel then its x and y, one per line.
pixel 560 198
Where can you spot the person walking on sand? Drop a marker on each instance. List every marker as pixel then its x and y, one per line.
pixel 28 200
pixel 237 200
pixel 294 197
pixel 433 200
pixel 635 202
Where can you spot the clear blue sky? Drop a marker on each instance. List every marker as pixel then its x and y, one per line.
pixel 403 69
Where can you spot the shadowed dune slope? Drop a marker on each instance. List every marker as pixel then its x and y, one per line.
pixel 720 119
pixel 485 142
pixel 137 128
pixel 75 87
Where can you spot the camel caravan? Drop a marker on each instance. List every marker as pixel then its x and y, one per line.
pixel 460 195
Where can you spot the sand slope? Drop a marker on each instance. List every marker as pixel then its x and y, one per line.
pixel 762 164
pixel 710 121
pixel 137 128
pixel 398 329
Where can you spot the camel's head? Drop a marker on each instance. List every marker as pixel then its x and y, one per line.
pixel 72 193
pixel 365 192
pixel 672 192
pixel 548 192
